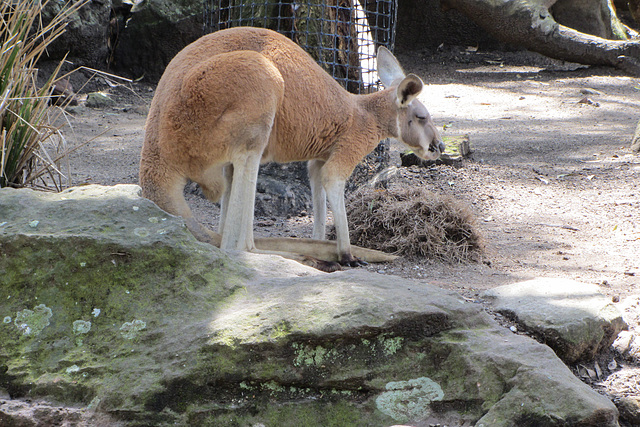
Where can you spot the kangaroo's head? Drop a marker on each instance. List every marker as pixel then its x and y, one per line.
pixel 415 126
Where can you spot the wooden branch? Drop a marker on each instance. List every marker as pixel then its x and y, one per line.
pixel 530 25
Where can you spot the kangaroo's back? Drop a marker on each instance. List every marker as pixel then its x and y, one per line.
pixel 299 70
pixel 314 106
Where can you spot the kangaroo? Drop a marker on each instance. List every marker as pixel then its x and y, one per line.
pixel 243 96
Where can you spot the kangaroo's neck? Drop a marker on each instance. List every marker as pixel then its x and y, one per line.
pixel 380 113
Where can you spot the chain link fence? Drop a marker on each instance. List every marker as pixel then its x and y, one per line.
pixel 341 35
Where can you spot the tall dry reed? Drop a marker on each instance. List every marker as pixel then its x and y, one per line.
pixel 30 146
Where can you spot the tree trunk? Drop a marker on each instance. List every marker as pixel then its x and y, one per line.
pixel 595 17
pixel 530 25
pixel 634 9
pixel 635 143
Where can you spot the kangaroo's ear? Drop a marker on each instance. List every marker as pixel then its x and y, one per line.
pixel 389 69
pixel 408 89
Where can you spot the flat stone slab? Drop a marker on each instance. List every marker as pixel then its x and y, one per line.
pixel 573 318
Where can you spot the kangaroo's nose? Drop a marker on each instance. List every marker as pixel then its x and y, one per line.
pixel 441 146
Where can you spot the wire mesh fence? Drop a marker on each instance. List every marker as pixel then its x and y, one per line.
pixel 342 35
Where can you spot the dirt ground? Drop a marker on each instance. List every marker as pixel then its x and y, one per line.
pixel 551 178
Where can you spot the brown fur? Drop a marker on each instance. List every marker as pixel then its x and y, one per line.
pixel 242 96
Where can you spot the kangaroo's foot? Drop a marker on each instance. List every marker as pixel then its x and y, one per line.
pixel 351 261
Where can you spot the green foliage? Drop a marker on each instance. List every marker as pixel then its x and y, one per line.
pixel 25 112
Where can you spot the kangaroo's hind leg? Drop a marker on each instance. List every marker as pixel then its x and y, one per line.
pixel 224 201
pixel 319 199
pixel 239 206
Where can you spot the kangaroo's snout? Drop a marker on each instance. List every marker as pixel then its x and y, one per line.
pixel 437 146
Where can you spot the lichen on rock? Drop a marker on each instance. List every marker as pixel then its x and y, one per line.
pixel 32 322
pixel 129 330
pixel 81 327
pixel 409 400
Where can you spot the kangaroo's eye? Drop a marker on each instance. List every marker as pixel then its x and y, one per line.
pixel 421 118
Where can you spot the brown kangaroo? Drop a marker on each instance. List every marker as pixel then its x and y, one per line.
pixel 243 96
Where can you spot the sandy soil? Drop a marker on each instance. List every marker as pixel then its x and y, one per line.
pixel 551 178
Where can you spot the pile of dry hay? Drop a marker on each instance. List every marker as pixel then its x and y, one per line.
pixel 415 223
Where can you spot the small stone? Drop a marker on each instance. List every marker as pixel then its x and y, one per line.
pixel 621 344
pixel 588 101
pixel 513 329
pixel 627 344
pixel 589 91
pixel 99 100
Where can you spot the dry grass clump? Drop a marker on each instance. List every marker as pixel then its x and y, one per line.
pixel 413 222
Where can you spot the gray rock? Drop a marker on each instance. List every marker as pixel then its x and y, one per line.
pixel 573 318
pixel 99 100
pixel 153 32
pixel 109 303
pixel 85 35
pixel 278 198
pixel 30 413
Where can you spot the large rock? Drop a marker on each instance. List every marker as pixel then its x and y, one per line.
pixel 85 35
pixel 573 318
pixel 155 31
pixel 110 304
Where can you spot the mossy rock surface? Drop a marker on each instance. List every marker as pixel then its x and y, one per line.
pixel 109 304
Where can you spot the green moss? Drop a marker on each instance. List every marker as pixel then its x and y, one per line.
pixel 135 297
pixel 280 331
pixel 301 414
